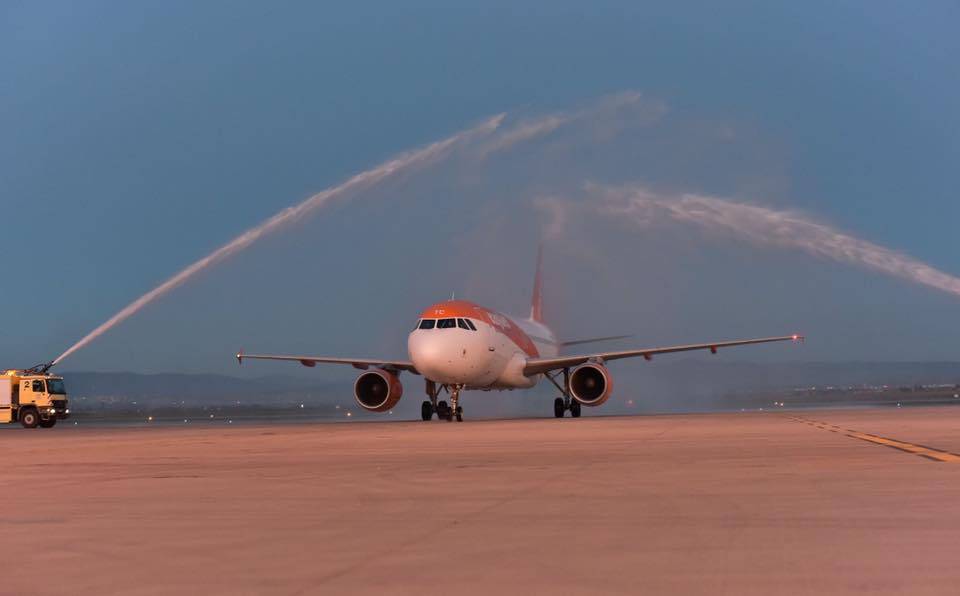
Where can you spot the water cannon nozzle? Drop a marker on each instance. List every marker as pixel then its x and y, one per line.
pixel 40 369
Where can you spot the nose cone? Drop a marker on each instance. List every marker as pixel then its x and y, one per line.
pixel 449 355
pixel 428 352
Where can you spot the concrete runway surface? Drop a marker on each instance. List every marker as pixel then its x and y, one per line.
pixel 750 503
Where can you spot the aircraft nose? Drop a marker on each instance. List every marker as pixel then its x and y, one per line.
pixel 445 355
pixel 428 352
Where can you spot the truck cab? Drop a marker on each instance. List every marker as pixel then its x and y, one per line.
pixel 32 399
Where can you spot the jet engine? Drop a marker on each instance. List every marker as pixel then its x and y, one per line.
pixel 590 384
pixel 377 390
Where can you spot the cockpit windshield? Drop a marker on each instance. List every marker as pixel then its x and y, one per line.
pixel 55 387
pixel 446 324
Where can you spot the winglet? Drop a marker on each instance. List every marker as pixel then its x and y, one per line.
pixel 240 357
pixel 536 307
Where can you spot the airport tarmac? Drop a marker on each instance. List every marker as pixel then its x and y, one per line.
pixel 811 502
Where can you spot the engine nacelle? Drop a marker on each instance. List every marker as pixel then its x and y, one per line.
pixel 590 384
pixel 377 390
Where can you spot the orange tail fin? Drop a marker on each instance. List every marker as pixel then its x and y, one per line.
pixel 536 307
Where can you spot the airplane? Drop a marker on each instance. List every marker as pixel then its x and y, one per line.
pixel 458 345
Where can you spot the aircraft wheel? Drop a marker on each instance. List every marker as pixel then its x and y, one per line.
pixel 558 407
pixel 426 410
pixel 29 418
pixel 575 409
pixel 443 411
pixel 459 414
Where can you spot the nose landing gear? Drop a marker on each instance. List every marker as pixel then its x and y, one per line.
pixel 441 408
pixel 455 409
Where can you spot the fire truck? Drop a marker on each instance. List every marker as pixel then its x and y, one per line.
pixel 33 397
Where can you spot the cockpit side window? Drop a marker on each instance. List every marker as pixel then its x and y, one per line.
pixel 470 324
pixel 427 323
pixel 446 323
pixel 462 323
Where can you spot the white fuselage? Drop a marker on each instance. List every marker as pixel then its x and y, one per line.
pixel 490 357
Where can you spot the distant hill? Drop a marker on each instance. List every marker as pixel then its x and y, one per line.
pixel 661 385
pixel 683 385
pixel 192 388
pixel 697 375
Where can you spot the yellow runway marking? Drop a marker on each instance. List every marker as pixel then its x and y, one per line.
pixel 922 451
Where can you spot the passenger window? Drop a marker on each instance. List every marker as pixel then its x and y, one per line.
pixel 446 323
pixel 427 323
pixel 38 387
pixel 461 323
pixel 470 324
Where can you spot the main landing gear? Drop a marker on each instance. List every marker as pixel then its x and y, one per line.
pixel 562 404
pixel 441 408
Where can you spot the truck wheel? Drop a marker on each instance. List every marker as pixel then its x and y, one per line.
pixel 48 423
pixel 29 418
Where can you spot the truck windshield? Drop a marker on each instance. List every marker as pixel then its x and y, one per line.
pixel 55 387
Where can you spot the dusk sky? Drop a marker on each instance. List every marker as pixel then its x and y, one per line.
pixel 137 137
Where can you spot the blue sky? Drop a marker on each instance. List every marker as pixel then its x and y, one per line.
pixel 138 136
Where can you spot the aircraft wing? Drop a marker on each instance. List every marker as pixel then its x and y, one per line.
pixel 311 361
pixel 578 342
pixel 542 365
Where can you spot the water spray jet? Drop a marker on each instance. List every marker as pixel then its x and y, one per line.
pixel 364 180
pixel 522 131
pixel 764 226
